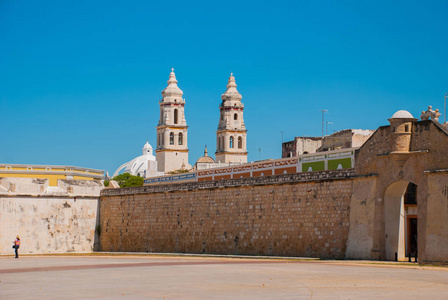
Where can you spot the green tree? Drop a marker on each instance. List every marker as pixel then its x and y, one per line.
pixel 128 180
pixel 180 171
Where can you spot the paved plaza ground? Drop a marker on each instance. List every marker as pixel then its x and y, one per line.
pixel 185 277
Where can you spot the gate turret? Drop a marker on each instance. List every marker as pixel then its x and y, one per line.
pixel 400 131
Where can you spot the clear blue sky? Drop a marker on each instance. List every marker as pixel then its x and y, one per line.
pixel 80 81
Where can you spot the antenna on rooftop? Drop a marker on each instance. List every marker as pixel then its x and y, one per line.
pixel 323 111
pixel 282 143
pixel 326 130
pixel 444 113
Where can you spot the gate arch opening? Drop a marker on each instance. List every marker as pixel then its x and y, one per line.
pixel 400 220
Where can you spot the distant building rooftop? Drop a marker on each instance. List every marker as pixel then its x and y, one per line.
pixel 51 172
pixel 347 138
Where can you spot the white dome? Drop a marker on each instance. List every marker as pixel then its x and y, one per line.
pixel 147 149
pixel 402 114
pixel 144 165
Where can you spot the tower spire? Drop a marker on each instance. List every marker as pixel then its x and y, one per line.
pixel 172 129
pixel 231 133
pixel 231 94
pixel 172 90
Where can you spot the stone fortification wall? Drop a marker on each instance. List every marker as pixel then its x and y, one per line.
pixel 305 214
pixel 47 224
pixel 425 164
pixel 48 219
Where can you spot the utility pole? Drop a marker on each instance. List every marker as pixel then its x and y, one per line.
pixel 282 145
pixel 323 111
pixel 444 114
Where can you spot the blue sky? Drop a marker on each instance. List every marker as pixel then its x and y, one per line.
pixel 80 80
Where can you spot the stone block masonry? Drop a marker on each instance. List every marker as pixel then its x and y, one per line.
pixel 303 214
pixel 48 219
pixel 47 224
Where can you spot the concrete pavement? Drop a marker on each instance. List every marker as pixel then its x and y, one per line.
pixel 183 277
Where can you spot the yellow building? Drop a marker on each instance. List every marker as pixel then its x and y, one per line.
pixel 52 173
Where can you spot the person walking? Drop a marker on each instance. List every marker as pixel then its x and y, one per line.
pixel 16 246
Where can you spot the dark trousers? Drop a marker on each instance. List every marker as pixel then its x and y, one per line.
pixel 16 249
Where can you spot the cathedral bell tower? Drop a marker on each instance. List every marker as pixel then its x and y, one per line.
pixel 231 133
pixel 172 129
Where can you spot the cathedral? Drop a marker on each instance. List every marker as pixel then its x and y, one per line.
pixel 172 134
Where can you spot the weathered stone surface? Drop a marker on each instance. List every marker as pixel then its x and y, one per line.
pixel 349 213
pixel 420 158
pixel 252 181
pixel 48 219
pixel 300 215
pixel 47 224
pixel 437 221
pixel 360 241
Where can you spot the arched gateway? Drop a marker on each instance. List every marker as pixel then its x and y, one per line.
pixel 400 220
pixel 399 205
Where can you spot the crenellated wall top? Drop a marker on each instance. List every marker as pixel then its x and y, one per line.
pixel 229 183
